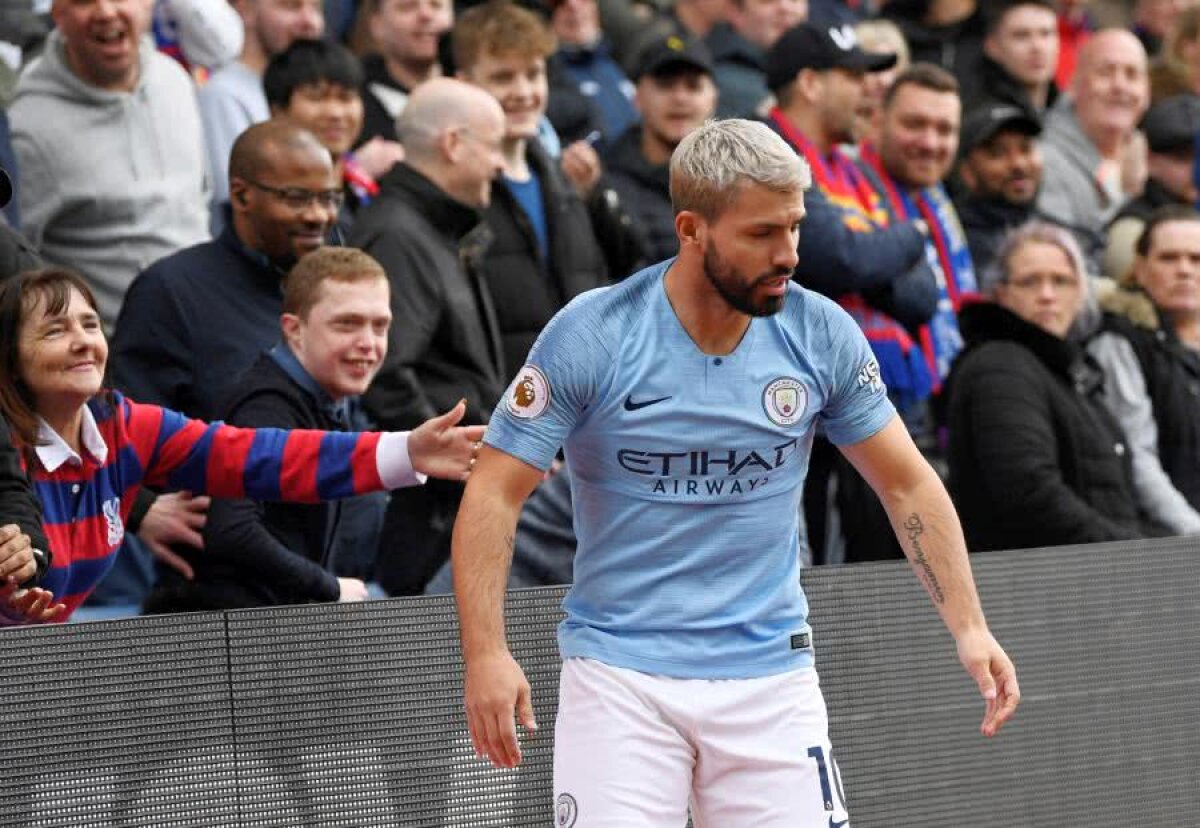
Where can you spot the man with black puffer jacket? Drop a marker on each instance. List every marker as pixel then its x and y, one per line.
pixel 556 231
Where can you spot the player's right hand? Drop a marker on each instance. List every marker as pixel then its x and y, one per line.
pixel 495 690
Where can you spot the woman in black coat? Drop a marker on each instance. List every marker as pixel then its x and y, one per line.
pixel 1035 458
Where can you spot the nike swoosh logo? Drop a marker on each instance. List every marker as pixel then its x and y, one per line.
pixel 833 824
pixel 630 405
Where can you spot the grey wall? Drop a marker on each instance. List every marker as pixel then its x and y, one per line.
pixel 350 714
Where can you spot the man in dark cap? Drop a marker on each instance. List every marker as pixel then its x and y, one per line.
pixel 1170 127
pixel 675 94
pixel 848 245
pixel 1000 170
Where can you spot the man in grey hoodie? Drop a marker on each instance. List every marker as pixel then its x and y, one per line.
pixel 1088 135
pixel 110 148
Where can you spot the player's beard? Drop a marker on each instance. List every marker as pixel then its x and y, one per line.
pixel 737 291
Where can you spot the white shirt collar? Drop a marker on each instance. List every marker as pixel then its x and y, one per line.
pixel 53 451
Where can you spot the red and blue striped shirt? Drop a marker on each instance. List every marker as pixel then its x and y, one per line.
pixel 85 505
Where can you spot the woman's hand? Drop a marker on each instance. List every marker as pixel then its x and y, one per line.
pixel 27 606
pixel 379 155
pixel 439 447
pixel 16 554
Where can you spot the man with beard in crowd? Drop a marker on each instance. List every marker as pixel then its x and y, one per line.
pixel 999 170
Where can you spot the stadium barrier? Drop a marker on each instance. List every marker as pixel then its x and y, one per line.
pixel 350 715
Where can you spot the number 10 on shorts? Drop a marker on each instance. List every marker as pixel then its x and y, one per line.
pixel 824 770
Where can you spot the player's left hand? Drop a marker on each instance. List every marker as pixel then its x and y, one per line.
pixel 992 669
pixel 439 447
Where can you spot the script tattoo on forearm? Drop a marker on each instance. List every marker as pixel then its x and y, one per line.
pixel 914 528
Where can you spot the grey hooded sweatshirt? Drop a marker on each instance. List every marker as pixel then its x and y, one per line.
pixel 110 181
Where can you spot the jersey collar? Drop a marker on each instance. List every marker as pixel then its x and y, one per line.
pixel 53 451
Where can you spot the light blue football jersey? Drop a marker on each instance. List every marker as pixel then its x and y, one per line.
pixel 687 471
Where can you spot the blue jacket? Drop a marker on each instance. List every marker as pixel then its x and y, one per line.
pixel 887 265
pixel 193 321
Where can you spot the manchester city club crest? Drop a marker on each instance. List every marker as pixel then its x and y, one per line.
pixel 565 811
pixel 785 400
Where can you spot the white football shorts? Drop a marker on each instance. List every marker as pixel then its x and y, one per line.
pixel 633 750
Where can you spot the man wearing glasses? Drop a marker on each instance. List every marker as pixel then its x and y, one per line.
pixel 194 320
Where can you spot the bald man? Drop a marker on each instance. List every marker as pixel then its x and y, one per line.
pixel 1089 133
pixel 425 228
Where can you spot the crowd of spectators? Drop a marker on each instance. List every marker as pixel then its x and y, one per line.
pixel 1004 199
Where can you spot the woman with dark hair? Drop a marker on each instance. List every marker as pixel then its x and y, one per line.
pixel 90 449
pixel 1035 457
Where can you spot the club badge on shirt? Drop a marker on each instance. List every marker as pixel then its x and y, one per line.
pixel 112 516
pixel 529 394
pixel 784 400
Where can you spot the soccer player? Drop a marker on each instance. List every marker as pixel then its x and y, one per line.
pixel 686 398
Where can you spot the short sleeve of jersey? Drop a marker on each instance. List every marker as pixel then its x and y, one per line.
pixel 553 390
pixel 858 405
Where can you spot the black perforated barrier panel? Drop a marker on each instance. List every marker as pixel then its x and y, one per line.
pixel 350 715
pixel 120 723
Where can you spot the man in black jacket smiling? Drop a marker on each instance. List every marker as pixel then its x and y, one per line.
pixel 426 228
pixel 555 233
pixel 168 351
pixel 335 328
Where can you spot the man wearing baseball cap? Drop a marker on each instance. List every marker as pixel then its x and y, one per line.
pixel 674 94
pixel 1000 170
pixel 848 245
pixel 849 248
pixel 1170 127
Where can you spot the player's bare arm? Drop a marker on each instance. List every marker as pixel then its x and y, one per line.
pixel 482 546
pixel 927 526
